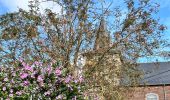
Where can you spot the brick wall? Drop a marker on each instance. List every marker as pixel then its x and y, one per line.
pixel 140 93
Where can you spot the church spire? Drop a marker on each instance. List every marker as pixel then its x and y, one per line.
pixel 102 36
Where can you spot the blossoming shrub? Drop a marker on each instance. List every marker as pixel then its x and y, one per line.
pixel 39 82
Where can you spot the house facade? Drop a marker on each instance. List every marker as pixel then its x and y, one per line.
pixel 155 84
pixel 157 92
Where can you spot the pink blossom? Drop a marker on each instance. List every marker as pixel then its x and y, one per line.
pixel 81 79
pixel 41 84
pixel 4 88
pixel 47 93
pixel 33 74
pixel 49 70
pixel 20 59
pixel 26 83
pixel 28 68
pixel 68 79
pixel 53 61
pixel 24 75
pixel 74 98
pixel 40 79
pixel 58 71
pixel 12 81
pixel 96 97
pixel 13 74
pixel 59 97
pixel 5 79
pixel 11 90
pixel 24 64
pixel 38 63
pixel 11 95
pixel 18 92
pixel 75 81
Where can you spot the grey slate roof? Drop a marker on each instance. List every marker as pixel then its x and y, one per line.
pixel 155 73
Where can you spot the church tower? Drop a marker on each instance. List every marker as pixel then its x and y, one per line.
pixel 102 57
pixel 103 64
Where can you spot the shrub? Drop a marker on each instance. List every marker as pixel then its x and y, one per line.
pixel 38 81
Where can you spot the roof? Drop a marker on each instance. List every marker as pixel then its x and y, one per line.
pixel 155 73
pixel 100 51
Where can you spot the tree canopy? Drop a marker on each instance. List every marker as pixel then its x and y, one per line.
pixel 83 26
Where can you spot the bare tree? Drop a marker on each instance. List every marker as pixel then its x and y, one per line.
pixel 87 27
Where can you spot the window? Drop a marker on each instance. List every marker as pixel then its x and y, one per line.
pixel 152 96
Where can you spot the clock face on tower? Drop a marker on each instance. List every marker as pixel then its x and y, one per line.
pixel 81 61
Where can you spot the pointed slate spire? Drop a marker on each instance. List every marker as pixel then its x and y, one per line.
pixel 102 36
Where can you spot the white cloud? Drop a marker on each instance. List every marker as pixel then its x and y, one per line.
pixel 50 5
pixel 13 5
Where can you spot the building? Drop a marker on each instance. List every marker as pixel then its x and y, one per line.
pixel 101 53
pixel 155 84
pixel 103 63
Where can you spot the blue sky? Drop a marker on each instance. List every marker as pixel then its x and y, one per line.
pixel 164 13
pixel 13 5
